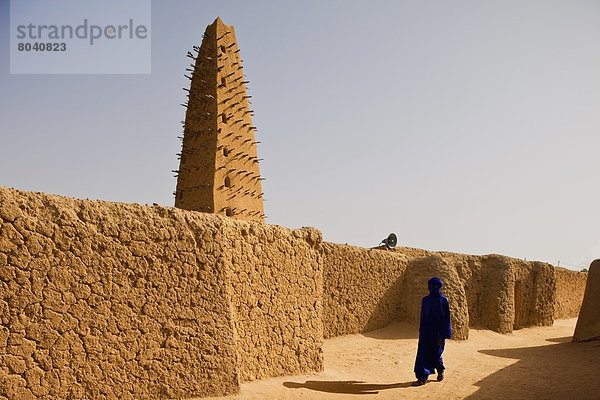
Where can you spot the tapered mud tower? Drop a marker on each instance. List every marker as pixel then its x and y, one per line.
pixel 219 167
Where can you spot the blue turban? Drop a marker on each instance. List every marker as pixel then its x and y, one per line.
pixel 434 285
pixel 435 281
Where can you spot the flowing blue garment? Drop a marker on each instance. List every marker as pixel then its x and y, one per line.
pixel 435 324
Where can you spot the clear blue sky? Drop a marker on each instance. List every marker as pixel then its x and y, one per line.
pixel 464 126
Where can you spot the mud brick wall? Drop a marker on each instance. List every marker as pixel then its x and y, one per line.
pixel 276 283
pixel 414 288
pixel 109 300
pixel 470 271
pixel 365 289
pixel 500 293
pixel 103 300
pixel 570 288
pixel 534 293
pixel 106 300
pixel 362 289
pixel 588 322
pixel 477 281
pixel 493 291
pixel 495 307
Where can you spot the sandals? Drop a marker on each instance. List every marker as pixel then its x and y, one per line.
pixel 419 382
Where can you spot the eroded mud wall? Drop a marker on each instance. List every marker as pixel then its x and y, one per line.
pixel 125 301
pixel 414 288
pixel 570 287
pixel 276 282
pixel 114 300
pixel 534 293
pixel 362 288
pixel 107 300
pixel 367 288
pixel 588 323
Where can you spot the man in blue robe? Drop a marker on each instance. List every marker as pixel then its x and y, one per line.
pixel 433 332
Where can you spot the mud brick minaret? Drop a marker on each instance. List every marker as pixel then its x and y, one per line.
pixel 218 170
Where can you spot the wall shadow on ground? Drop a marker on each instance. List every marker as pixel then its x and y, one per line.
pixel 394 331
pixel 556 371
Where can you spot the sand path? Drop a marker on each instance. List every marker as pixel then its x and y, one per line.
pixel 532 363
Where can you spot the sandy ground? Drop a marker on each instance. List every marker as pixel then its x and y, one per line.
pixel 532 363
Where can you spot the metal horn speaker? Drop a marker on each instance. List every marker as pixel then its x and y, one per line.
pixel 390 241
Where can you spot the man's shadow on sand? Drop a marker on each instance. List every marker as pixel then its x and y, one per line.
pixel 345 387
